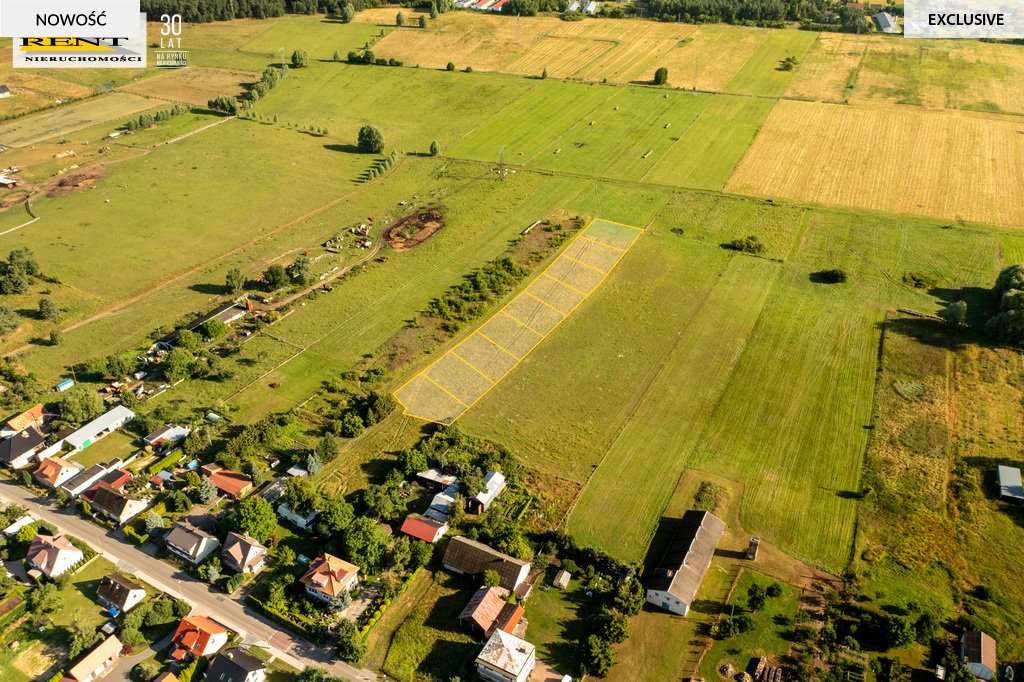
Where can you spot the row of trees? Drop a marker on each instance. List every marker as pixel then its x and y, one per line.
pixel 146 120
pixel 471 298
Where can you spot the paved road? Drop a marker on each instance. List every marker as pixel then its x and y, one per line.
pixel 230 611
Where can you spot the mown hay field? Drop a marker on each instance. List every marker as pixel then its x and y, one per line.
pixel 33 128
pixel 948 165
pixel 761 73
pixel 195 86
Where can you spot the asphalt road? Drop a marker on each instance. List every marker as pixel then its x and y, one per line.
pixel 229 611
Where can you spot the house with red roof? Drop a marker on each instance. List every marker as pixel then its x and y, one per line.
pixel 329 576
pixel 420 527
pixel 489 610
pixel 198 636
pixel 228 482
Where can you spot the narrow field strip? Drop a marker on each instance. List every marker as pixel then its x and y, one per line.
pixel 450 385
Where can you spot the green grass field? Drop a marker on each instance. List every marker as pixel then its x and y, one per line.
pixel 34 128
pixel 760 75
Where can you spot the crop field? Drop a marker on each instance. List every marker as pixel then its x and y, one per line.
pixel 34 128
pixel 898 160
pixel 671 137
pixel 196 85
pixel 760 74
pixel 460 377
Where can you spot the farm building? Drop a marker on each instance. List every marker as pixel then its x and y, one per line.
pixel 423 528
pixel 489 610
pixel 506 658
pixel 329 576
pixel 978 652
pixel 562 579
pixel 434 479
pixel 5 92
pixel 574 6
pixel 886 23
pixel 99 427
pixel 470 557
pixel 63 385
pixel 226 313
pixel 495 483
pixel 674 583
pixel 33 416
pixel 168 433
pixel 1010 486
pixel 8 182
pixel 97 662
pixel 117 592
pixel 20 450
pixel 441 503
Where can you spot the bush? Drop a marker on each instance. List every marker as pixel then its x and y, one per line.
pixel 661 76
pixel 830 276
pixel 370 140
pixel 749 244
pixel 450 67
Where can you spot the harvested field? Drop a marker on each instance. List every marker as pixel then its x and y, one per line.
pixel 451 384
pixel 414 229
pixel 196 85
pixel 948 165
pixel 38 127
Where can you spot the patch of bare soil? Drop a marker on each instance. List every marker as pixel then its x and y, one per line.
pixel 414 229
pixel 73 182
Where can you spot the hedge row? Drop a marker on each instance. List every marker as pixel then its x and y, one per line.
pixel 286 620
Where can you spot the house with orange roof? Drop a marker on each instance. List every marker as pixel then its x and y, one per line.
pixel 198 636
pixel 228 482
pixel 54 472
pixel 488 610
pixel 53 555
pixel 33 416
pixel 423 528
pixel 329 577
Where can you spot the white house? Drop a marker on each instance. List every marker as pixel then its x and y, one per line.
pixel 591 7
pixel 506 658
pixel 303 522
pixel 234 665
pixel 117 592
pixel 674 583
pixel 190 543
pixel 494 483
pixel 84 480
pixel 97 662
pixel 168 433
pixel 53 555
pixel 54 472
pixel 99 427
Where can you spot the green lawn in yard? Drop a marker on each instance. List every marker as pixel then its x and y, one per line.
pixel 79 596
pixel 117 444
pixel 559 621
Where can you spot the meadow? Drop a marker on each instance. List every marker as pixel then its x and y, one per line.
pixel 34 128
pixel 195 86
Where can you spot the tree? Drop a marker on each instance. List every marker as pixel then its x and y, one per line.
pixel 370 140
pixel 629 597
pixel 449 67
pixel 327 448
pixel 756 597
pixel 45 599
pixel 351 425
pixel 335 516
pixel 955 314
pixel 276 277
pixel 214 329
pixel 598 656
pixel 121 366
pixel 613 626
pixel 350 645
pixel 284 558
pixel 210 571
pixel 399 19
pixel 435 148
pixel 301 271
pixel 423 21
pixel 144 671
pixel 337 56
pixel 300 496
pixel 255 517
pixel 81 636
pixel 178 365
pixel 412 461
pixel 8 320
pixel 234 281
pixel 420 555
pixel 527 8
pixel 26 534
pixel 154 522
pixel 206 493
pixel 179 502
pixel 433 10
pixel 79 404
pixel 544 74
pixel 751 244
pixel 56 337
pixel 48 310
pixel 313 673
pixel 661 76
pixel 192 479
pixel 365 543
pixel 491 578
pixel 348 13
pixel 313 464
pixel 300 59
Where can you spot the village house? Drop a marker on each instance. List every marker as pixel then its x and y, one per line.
pixel 304 522
pixel 116 506
pixel 978 651
pixel 19 451
pixel 97 662
pixel 117 592
pixel 228 482
pixel 52 555
pixel 489 610
pixel 190 543
pixel 506 658
pixel 168 433
pixel 494 483
pixel 423 528
pixel 470 557
pixel 435 480
pixel 54 472
pixel 98 428
pixel 84 480
pixel 235 665
pixel 33 416
pixel 441 504
pixel 674 583
pixel 243 554
pixel 197 637
pixel 329 576
pixel 886 23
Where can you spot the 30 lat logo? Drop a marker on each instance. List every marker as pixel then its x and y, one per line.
pixel 171 55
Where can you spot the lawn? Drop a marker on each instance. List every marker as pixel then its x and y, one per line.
pixel 559 620
pixel 762 74
pixel 118 444
pixel 78 603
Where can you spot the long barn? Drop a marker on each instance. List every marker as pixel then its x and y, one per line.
pixel 674 583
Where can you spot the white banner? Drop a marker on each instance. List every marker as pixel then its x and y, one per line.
pixel 82 52
pixel 963 19
pixel 58 18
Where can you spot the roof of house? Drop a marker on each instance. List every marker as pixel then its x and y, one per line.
pixel 32 415
pixel 227 481
pixel 167 432
pixel 187 537
pixel 243 550
pixel 329 574
pixel 110 501
pixel 472 557
pixel 436 477
pixel 20 444
pixel 194 633
pixel 562 578
pixel 115 588
pixel 104 422
pixel 82 480
pixel 485 606
pixel 4 89
pixel 978 647
pixel 105 650
pixel 688 555
pixel 1010 484
pixel 233 665
pixel 422 528
pixel 506 652
pixel 886 22
pixel 45 551
pixel 495 483
pixel 18 525
pixel 51 468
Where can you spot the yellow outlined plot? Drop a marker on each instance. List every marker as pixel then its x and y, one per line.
pixel 450 385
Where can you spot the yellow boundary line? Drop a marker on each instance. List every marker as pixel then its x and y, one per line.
pixel 582 293
pixel 452 395
pixel 502 348
pixel 518 321
pixel 541 301
pixel 586 265
pixel 565 315
pixel 469 364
